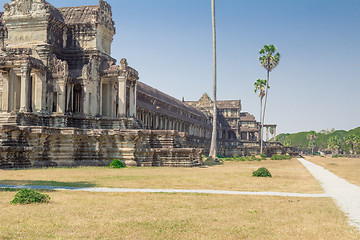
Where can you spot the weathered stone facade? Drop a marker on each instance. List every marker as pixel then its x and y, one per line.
pixel 238 132
pixel 63 99
pixel 65 102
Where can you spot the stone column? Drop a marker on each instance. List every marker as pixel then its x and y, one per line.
pixel 267 134
pixel 38 92
pixel 61 98
pixel 6 90
pixel 122 96
pixel 132 100
pixel 43 91
pixel 68 92
pixel 275 134
pixel 25 94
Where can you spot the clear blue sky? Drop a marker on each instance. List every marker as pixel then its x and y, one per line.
pixel 316 85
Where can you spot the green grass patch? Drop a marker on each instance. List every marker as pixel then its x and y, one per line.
pixel 281 157
pixel 243 159
pixel 28 196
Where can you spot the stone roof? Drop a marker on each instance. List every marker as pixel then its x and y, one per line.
pixel 92 14
pixel 54 12
pixel 247 117
pixel 163 97
pixel 229 104
pixel 80 15
pixel 206 102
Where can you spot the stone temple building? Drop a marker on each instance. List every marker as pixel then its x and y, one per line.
pixel 64 101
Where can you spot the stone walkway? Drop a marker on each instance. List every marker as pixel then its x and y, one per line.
pixel 345 194
pixel 138 190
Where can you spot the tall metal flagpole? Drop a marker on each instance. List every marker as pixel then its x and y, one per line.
pixel 214 131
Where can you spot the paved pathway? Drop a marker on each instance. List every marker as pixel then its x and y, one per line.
pixel 345 194
pixel 127 190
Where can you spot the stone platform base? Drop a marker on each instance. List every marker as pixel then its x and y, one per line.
pixel 35 146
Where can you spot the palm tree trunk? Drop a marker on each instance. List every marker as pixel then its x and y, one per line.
pixel 214 130
pixel 263 115
pixel 260 133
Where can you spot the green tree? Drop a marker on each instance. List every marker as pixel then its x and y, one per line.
pixel 260 85
pixel 269 59
pixel 214 131
pixel 334 143
pixel 352 140
pixel 311 136
pixel 287 143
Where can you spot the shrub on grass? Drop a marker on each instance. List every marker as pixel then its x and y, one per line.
pixel 117 164
pixel 220 156
pixel 280 157
pixel 27 196
pixel 262 172
pixel 263 156
pixel 337 156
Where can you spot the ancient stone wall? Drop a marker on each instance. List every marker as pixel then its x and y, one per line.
pixel 25 147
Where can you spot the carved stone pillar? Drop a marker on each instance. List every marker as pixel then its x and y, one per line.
pixel 38 92
pixel 61 97
pixel 132 100
pixel 275 134
pixel 25 92
pixel 6 90
pixel 122 97
pixel 44 91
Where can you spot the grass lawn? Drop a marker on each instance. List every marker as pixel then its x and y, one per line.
pixel 288 176
pixel 347 168
pixel 82 215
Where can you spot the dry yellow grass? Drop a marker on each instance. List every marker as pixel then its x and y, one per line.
pixel 288 176
pixel 347 168
pixel 81 215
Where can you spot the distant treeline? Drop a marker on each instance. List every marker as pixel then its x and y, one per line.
pixel 331 141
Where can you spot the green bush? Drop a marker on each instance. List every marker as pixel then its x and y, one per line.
pixel 220 156
pixel 27 196
pixel 337 156
pixel 280 157
pixel 117 164
pixel 262 172
pixel 263 156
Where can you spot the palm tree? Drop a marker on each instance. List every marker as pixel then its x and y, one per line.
pixel 260 85
pixel 352 140
pixel 269 59
pixel 311 136
pixel 334 143
pixel 214 131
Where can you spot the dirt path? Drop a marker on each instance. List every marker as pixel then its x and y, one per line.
pixel 345 194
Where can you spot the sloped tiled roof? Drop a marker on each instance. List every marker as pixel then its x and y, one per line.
pixel 247 117
pixel 80 15
pixel 154 93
